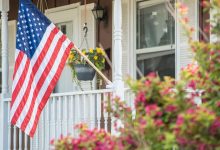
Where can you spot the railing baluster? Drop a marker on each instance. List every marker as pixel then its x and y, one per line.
pixel 65 115
pixel 14 138
pixel 37 138
pixel 32 144
pixel 25 142
pixel 105 99
pixel 92 114
pixel 84 109
pixel 47 125
pixel 71 116
pixel 9 127
pixel 42 131
pixel 98 110
pixel 53 113
pixel 20 140
pixel 59 103
pixel 78 109
pixel 87 106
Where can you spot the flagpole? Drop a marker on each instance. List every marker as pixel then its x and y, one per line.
pixel 93 66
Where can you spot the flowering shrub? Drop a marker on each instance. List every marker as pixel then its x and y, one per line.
pixel 92 139
pixel 199 124
pixel 166 115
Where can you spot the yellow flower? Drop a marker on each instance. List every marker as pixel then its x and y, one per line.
pixel 91 50
pixel 95 57
pixel 103 60
pixel 99 50
pixel 103 53
pixel 84 52
pixel 71 56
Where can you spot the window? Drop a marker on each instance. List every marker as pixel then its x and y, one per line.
pixel 155 39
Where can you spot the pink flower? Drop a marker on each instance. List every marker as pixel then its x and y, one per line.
pixel 152 75
pixel 153 108
pixel 202 146
pixel 182 141
pixel 183 9
pixel 180 120
pixel 218 104
pixel 147 83
pixel 142 122
pixel 192 85
pixel 52 141
pixel 190 111
pixel 205 3
pixel 159 114
pixel 215 127
pixel 158 123
pixel 170 108
pixel 140 98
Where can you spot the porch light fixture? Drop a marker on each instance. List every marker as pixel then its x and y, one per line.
pixel 98 12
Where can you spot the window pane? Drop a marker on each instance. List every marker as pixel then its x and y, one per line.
pixel 155 26
pixel 66 28
pixel 164 65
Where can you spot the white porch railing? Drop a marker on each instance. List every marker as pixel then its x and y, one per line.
pixel 60 115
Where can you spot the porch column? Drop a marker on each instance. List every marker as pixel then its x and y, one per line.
pixel 4 8
pixel 117 54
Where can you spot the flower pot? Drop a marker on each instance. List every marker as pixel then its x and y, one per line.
pixel 84 72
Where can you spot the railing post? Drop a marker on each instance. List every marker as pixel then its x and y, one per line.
pixel 4 8
pixel 117 54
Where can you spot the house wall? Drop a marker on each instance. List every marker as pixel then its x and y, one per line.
pixel 105 34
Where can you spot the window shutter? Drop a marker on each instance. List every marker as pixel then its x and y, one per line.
pixel 184 55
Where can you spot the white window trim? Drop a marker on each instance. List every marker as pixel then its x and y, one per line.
pixel 155 49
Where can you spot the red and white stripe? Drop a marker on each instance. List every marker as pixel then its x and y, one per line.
pixel 34 80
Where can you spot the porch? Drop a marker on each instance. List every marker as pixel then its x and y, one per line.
pixel 63 110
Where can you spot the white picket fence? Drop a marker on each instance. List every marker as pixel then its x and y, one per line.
pixel 60 115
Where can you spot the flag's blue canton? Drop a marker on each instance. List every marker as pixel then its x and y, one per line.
pixel 31 27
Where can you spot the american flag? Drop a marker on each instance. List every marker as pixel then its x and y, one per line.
pixel 41 53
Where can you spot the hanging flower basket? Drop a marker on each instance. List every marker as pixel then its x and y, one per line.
pixel 80 68
pixel 84 72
